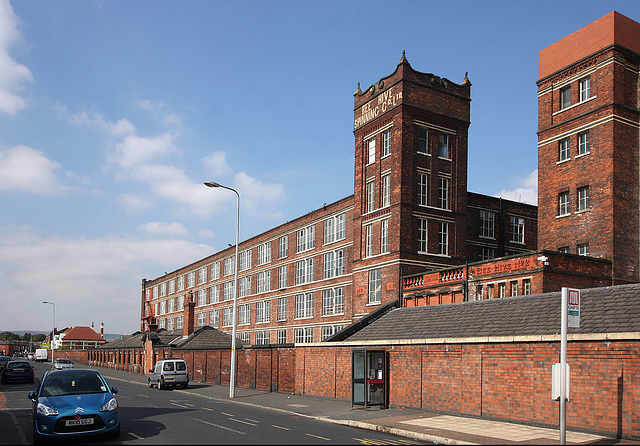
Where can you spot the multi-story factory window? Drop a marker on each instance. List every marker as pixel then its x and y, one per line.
pixel 371 196
pixel 202 275
pixel 180 283
pixel 372 152
pixel 179 323
pixel 584 146
pixel 245 260
pixel 283 247
pixel 386 190
pixel 191 279
pixel 282 277
pixel 423 189
pixel 228 291
pixel 443 193
pixel 180 302
pixel 443 239
pixel 244 314
pixel 423 140
pixel 170 324
pixel 516 225
pixel 487 253
pixel 202 297
pixel 333 301
pixel 244 286
pixel 214 318
pixel 487 224
pixel 585 88
pixel 563 149
pixel 333 263
pixel 304 271
pixel 502 289
pixel 375 286
pixel 230 265
pixel 526 287
pixel 263 311
pixel 443 150
pixel 262 337
pixel 330 330
pixel 334 229
pixel 170 304
pixel 282 309
pixel 386 143
pixel 423 235
pixel 514 288
pixel 384 236
pixel 306 238
pixel 368 241
pixel 583 198
pixel 201 319
pixel 583 249
pixel 264 281
pixel 244 336
pixel 163 307
pixel 215 270
pixel 282 336
pixel 163 289
pixel 171 286
pixel 264 253
pixel 303 335
pixel 565 97
pixel 227 316
pixel 563 203
pixel 304 305
pixel 214 292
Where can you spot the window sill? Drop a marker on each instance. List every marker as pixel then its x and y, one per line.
pixel 563 161
pixel 563 215
pixel 574 105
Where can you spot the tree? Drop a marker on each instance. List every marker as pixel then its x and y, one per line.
pixel 8 336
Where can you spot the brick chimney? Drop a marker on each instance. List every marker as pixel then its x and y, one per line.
pixel 101 328
pixel 189 316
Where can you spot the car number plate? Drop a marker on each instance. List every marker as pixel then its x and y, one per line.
pixel 80 422
pixel 18 370
pixel 169 379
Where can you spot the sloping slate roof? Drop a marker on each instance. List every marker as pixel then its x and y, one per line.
pixel 129 341
pixel 81 334
pixel 603 310
pixel 203 338
pixel 207 338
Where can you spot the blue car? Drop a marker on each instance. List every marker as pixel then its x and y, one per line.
pixel 74 402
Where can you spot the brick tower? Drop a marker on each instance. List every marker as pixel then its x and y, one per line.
pixel 588 145
pixel 410 191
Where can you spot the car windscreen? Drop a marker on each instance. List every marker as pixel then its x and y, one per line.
pixel 73 383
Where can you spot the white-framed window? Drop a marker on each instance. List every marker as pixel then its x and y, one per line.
pixel 514 288
pixel 372 152
pixel 244 286
pixel 564 249
pixel 180 283
pixel 161 323
pixel 384 236
pixel 526 287
pixel 245 260
pixel 330 330
pixel 180 302
pixel 202 297
pixel 155 292
pixel 443 239
pixel 262 337
pixel 517 229
pixel 179 322
pixel 228 290
pixel 171 286
pixel 443 193
pixel 304 271
pixel 368 241
pixel 191 279
pixel 283 247
pixel 170 324
pixel 201 319
pixel 282 336
pixel 244 314
pixel 563 203
pixel 565 97
pixel 303 335
pixel 264 253
pixel 230 265
pixel 244 336
pixel 282 309
pixel 386 143
pixel 333 301
pixel 214 292
pixel 423 140
pixel 306 238
pixel 487 253
pixel 227 316
pixel 215 271
pixel 304 305
pixel 563 149
pixel 163 307
pixel 214 318
pixel 443 150
pixel 490 291
pixel 502 290
pixel 423 234
pixel 423 189
pixel 163 289
pixel 487 224
pixel 263 311
pixel 170 305
pixel 583 198
pixel 334 264
pixel 202 275
pixel 584 146
pixel 583 249
pixel 334 228
pixel 264 281
pixel 282 277
pixel 371 196
pixel 375 286
pixel 585 88
pixel 386 190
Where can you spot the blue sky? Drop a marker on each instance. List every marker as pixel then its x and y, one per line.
pixel 114 113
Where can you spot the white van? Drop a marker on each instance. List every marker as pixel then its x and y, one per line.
pixel 42 354
pixel 169 373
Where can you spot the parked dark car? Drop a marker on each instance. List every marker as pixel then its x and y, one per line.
pixel 18 370
pixel 4 360
pixel 74 403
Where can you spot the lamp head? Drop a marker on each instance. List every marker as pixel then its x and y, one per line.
pixel 211 184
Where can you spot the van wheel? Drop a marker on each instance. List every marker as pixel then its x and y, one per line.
pixel 150 384
pixel 159 385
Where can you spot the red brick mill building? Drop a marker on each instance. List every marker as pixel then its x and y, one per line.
pixel 341 302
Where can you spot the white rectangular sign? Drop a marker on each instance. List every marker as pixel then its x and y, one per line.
pixel 573 316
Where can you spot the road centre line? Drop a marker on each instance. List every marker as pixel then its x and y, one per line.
pixel 317 436
pixel 280 427
pixel 221 427
pixel 242 421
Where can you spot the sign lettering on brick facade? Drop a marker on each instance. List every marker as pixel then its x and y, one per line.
pixel 503 267
pixel 377 106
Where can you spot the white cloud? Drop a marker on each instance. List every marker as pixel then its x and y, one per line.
pixel 216 166
pixel 122 127
pixel 13 75
pixel 23 169
pixel 168 229
pixel 526 190
pixel 134 150
pixel 259 199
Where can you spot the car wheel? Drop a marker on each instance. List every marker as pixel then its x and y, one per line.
pixel 150 383
pixel 159 385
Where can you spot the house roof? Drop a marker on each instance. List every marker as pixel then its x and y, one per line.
pixel 203 338
pixel 81 334
pixel 614 309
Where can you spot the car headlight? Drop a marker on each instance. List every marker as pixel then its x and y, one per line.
pixel 112 404
pixel 42 409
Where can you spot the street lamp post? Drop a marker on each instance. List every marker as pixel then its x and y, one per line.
pixel 53 333
pixel 232 387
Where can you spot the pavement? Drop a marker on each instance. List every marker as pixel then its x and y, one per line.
pixel 405 422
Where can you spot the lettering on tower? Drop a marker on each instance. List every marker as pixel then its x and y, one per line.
pixel 377 106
